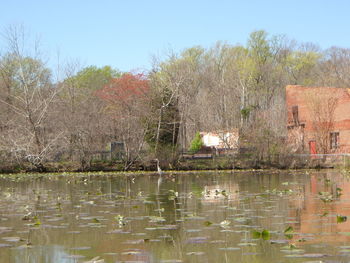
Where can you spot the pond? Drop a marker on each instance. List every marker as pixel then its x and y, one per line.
pixel 251 216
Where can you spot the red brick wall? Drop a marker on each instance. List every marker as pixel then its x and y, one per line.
pixel 300 96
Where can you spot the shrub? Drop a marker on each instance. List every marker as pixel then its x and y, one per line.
pixel 196 143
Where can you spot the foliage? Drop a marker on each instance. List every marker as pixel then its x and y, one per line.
pixel 289 232
pixel 264 234
pixel 196 143
pixel 164 126
pixel 93 78
pixel 125 90
pixel 126 102
pixel 245 112
pixel 82 85
pixel 220 88
pixel 341 219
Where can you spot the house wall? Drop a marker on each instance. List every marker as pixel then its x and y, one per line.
pixel 210 140
pixel 221 139
pixel 300 135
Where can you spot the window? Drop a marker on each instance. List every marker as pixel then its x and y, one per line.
pixel 334 140
pixel 295 112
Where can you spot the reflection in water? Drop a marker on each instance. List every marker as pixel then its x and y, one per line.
pixel 189 218
pixel 325 197
pixel 51 253
pixel 159 182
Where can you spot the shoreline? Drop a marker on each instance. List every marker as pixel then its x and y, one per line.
pixel 186 165
pixel 154 173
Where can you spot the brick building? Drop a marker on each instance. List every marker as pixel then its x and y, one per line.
pixel 318 119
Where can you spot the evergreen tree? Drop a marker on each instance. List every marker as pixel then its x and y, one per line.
pixel 196 143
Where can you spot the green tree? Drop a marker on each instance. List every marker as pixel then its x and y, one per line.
pixel 301 66
pixel 82 111
pixel 80 86
pixel 164 124
pixel 93 78
pixel 196 143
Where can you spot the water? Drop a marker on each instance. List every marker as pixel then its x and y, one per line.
pixel 213 217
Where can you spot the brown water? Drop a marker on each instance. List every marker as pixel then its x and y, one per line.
pixel 217 217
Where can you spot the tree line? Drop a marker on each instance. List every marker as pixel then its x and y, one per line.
pixel 70 113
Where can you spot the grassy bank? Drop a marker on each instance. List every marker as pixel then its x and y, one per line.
pixel 242 162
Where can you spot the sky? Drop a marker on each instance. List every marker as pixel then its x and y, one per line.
pixel 127 34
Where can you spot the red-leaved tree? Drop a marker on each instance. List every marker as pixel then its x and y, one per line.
pixel 127 105
pixel 126 90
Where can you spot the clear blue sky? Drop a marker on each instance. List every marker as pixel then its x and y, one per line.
pixel 124 34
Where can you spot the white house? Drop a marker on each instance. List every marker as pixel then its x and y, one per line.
pixel 221 139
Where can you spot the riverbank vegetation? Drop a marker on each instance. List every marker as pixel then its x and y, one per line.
pixel 87 118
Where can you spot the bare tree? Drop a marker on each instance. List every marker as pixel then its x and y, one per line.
pixel 335 68
pixel 127 109
pixel 81 114
pixel 322 107
pixel 29 96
